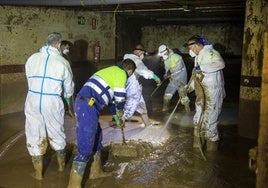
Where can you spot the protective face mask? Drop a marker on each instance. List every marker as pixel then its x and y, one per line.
pixel 141 56
pixel 165 57
pixel 191 53
pixel 65 51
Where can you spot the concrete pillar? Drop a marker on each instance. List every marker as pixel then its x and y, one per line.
pixel 262 160
pixel 252 57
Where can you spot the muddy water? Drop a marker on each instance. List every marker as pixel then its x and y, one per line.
pixel 173 164
pixel 176 164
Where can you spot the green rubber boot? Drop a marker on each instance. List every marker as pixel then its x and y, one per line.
pixel 61 159
pixel 38 166
pixel 76 176
pixel 96 170
pixel 212 145
pixel 196 138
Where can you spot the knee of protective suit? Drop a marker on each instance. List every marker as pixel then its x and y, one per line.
pixel 185 100
pixel 167 96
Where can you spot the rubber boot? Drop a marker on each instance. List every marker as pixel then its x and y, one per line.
pixel 196 138
pixel 211 145
pixel 96 170
pixel 38 166
pixel 145 119
pixel 187 107
pixel 76 175
pixel 165 105
pixel 61 159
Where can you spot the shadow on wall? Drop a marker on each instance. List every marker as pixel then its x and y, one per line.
pixel 220 48
pixel 82 68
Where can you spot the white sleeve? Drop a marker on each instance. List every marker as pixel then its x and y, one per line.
pixel 141 69
pixel 133 95
pixel 68 83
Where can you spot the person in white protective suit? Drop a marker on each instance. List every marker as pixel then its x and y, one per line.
pixel 208 82
pixel 48 75
pixel 177 74
pixel 134 98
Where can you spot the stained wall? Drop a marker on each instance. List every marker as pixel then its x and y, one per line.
pixel 228 37
pixel 24 29
pixel 23 32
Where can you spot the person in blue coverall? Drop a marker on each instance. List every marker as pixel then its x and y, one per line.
pixel 105 88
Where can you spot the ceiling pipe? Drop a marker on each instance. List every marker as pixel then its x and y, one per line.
pixel 212 9
pixel 199 19
pixel 71 2
pixel 145 10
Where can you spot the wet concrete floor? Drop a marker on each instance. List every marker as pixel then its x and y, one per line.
pixel 172 163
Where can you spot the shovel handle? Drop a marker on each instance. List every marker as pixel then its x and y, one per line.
pixel 123 135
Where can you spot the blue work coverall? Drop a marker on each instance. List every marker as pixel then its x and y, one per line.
pixel 105 88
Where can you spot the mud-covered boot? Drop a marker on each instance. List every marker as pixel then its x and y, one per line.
pixel 61 159
pixel 196 138
pixel 165 107
pixel 212 145
pixel 145 119
pixel 187 107
pixel 38 166
pixel 96 170
pixel 76 175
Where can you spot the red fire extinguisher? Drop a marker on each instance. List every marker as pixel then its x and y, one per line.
pixel 96 52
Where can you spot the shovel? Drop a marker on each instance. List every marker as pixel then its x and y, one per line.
pixel 123 149
pixel 123 135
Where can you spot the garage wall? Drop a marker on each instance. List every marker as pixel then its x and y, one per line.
pixel 228 37
pixel 23 32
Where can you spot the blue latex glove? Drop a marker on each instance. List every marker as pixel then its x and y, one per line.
pixel 68 100
pixel 197 68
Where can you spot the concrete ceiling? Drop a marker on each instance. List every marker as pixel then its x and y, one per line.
pixel 153 11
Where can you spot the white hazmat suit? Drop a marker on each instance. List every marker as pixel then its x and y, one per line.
pixel 177 74
pixel 49 76
pixel 135 100
pixel 209 89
